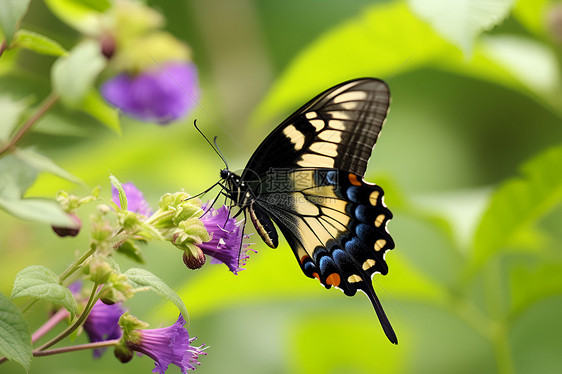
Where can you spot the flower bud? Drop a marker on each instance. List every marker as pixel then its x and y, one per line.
pixel 107 301
pixel 69 230
pixel 195 258
pixel 123 353
pixel 185 211
pixel 107 43
pixel 99 270
pixel 130 221
pixel 104 208
pixel 63 199
pixel 116 289
pixel 168 200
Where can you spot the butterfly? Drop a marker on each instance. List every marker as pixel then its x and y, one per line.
pixel 307 178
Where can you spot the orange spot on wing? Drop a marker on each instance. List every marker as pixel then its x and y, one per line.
pixel 315 275
pixel 353 180
pixel 304 258
pixel 333 279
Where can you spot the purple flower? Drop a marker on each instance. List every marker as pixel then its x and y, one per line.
pixel 226 245
pixel 135 199
pixel 103 324
pixel 168 345
pixel 162 94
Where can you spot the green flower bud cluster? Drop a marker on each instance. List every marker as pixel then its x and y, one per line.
pixel 69 203
pixel 177 220
pixel 130 326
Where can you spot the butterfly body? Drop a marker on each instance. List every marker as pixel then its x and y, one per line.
pixel 307 178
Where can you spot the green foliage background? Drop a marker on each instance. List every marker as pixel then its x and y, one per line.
pixel 470 159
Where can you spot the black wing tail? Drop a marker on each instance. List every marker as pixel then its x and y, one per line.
pixel 385 323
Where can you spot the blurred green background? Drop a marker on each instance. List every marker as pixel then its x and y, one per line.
pixel 470 159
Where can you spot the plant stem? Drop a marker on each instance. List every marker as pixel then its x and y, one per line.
pixel 43 108
pixel 47 326
pixel 503 352
pixel 497 310
pixel 76 264
pixel 70 329
pixel 79 347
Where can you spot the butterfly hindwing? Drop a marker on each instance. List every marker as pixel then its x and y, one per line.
pixel 326 211
pixel 335 223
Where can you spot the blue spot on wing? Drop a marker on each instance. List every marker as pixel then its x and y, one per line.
pixel 354 194
pixel 362 213
pixel 327 265
pixel 365 232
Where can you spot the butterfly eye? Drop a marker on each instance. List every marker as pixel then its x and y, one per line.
pixel 224 173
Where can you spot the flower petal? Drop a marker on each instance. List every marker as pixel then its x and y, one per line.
pixel 227 242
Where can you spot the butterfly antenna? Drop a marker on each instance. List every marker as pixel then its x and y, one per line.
pixel 219 152
pixel 211 144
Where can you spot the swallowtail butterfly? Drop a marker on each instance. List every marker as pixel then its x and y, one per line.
pixel 307 178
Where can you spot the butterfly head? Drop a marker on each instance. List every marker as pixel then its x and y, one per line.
pixel 226 174
pixel 232 179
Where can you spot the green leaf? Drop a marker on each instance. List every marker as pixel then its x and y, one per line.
pixel 35 209
pixel 531 282
pixel 461 21
pixel 518 204
pixel 15 177
pixel 83 15
pixel 18 171
pixel 41 283
pixel 12 12
pixel 122 196
pixel 132 251
pixel 384 40
pixel 11 112
pixel 15 339
pixel 532 63
pixel 73 76
pixel 96 106
pixel 43 163
pixel 144 278
pixel 37 43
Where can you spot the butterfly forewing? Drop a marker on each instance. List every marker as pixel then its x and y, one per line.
pixel 337 129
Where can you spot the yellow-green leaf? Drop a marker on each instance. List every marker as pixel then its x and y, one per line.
pixel 37 43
